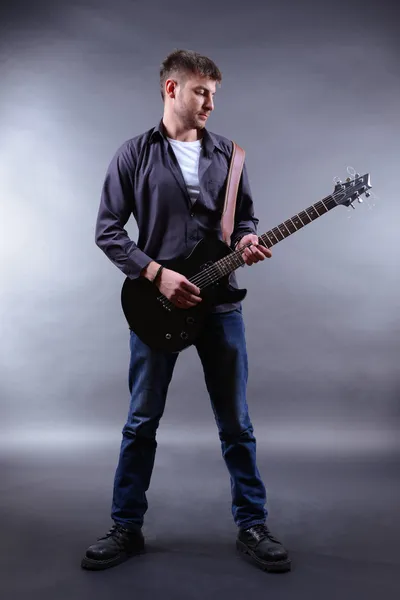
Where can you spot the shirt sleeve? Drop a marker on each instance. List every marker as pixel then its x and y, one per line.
pixel 245 221
pixel 116 206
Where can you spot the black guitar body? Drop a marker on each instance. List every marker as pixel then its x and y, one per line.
pixel 159 323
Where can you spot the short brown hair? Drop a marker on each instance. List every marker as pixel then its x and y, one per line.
pixel 186 62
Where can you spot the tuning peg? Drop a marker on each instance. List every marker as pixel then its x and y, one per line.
pixel 367 194
pixel 352 206
pixel 360 200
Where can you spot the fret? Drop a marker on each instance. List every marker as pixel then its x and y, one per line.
pixel 290 226
pixel 219 268
pixel 298 222
pixel 320 208
pixel 330 202
pixel 238 260
pixel 261 239
pixel 324 205
pixel 269 243
pixel 227 266
pixel 312 213
pixel 284 230
pixel 305 219
pixel 232 261
pixel 270 232
pixel 275 229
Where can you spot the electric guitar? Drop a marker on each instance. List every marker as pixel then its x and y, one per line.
pixel 163 326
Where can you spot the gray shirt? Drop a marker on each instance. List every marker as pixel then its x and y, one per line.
pixel 144 179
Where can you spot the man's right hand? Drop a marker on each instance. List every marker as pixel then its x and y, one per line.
pixel 178 289
pixel 173 286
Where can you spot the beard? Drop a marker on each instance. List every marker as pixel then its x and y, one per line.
pixel 189 118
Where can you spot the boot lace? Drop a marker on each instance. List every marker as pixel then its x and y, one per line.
pixel 118 534
pixel 261 531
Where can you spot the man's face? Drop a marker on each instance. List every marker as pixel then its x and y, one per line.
pixel 194 101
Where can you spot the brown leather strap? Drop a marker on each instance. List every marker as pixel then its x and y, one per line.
pixel 235 172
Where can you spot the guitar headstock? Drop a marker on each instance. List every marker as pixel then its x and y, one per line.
pixel 352 189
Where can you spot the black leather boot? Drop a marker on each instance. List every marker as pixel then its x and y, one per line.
pixel 115 547
pixel 263 548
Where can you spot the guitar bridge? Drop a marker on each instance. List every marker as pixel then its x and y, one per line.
pixel 165 302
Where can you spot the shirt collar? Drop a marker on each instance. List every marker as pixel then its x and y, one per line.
pixel 209 139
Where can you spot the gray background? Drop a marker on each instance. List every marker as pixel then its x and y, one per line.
pixel 308 90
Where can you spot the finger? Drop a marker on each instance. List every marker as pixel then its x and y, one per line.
pixel 190 287
pixel 191 297
pixel 261 252
pixel 183 296
pixel 186 297
pixel 181 303
pixel 260 255
pixel 252 253
pixel 253 257
pixel 266 251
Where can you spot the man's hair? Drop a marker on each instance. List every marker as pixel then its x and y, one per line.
pixel 183 63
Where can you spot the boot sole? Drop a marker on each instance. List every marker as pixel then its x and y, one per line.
pixel 277 566
pixel 99 565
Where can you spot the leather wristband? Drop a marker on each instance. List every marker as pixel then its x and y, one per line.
pixel 157 274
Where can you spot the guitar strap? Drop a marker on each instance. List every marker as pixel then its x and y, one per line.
pixel 235 171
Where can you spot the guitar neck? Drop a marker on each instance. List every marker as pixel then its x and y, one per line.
pixel 230 263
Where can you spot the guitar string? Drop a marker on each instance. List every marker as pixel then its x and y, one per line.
pixel 206 275
pixel 206 278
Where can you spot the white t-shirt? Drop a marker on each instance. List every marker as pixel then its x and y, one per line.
pixel 188 155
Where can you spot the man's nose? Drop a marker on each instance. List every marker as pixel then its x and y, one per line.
pixel 209 104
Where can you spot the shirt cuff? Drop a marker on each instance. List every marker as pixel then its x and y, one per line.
pixel 138 261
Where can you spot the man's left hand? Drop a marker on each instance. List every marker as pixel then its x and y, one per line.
pixel 255 252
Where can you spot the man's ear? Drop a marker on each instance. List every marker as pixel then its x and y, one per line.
pixel 170 88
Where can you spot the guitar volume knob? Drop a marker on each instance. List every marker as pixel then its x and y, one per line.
pixel 184 335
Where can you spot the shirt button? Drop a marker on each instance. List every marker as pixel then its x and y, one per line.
pixel 192 214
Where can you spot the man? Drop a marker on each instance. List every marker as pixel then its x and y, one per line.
pixel 172 179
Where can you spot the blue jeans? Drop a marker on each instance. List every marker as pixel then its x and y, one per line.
pixel 222 351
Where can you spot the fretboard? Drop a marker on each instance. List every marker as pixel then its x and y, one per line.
pixel 234 260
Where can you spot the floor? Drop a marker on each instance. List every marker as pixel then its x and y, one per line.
pixel 338 517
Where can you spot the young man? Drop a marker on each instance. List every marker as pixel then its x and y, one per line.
pixel 172 179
